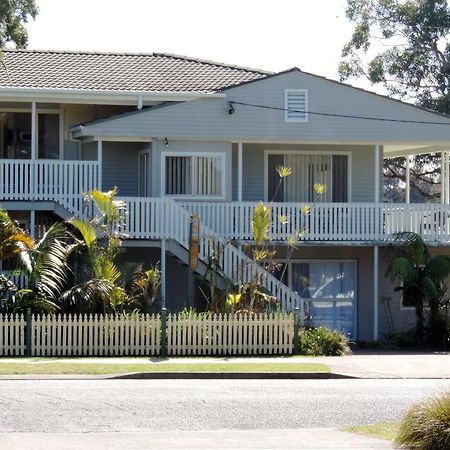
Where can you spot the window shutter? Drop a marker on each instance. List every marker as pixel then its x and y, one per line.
pixel 296 104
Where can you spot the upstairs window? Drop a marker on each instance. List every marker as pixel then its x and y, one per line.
pixel 307 170
pixel 194 175
pixel 296 105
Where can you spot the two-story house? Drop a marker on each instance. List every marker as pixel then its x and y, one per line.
pixel 179 136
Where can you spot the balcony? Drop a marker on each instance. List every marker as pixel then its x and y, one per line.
pixel 332 222
pixel 148 217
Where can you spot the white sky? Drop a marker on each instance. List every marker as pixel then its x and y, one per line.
pixel 273 35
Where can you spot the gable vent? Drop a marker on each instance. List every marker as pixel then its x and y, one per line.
pixel 296 104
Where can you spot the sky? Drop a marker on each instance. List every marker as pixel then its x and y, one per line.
pixel 272 35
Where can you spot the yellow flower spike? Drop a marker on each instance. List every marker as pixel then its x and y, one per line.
pixel 306 210
pixel 291 241
pixel 284 171
pixel 320 188
pixel 233 299
pixel 283 219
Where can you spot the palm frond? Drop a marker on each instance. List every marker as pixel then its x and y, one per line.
pixel 430 288
pixel 402 268
pixel 49 267
pixel 87 231
pixel 89 292
pixel 438 267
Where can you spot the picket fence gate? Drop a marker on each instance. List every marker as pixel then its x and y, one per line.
pixel 147 335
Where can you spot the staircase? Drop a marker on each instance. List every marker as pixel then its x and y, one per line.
pixel 162 218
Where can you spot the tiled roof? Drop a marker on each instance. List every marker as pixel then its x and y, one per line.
pixel 156 72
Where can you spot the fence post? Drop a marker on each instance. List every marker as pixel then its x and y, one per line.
pixel 28 333
pixel 296 330
pixel 163 332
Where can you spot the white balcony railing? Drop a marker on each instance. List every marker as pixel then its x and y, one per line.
pixel 363 222
pixel 64 181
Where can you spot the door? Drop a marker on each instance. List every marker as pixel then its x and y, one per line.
pixel 143 173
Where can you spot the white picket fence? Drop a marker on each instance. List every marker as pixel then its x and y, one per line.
pixel 229 334
pixel 95 335
pixel 12 335
pixel 145 335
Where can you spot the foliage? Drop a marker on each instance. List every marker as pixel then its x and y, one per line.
pixel 424 179
pixel 400 340
pixel 46 271
pixel 98 287
pixel 142 287
pixel 322 341
pixel 423 283
pixel 14 14
pixel 413 64
pixel 426 425
pixel 13 240
pixel 415 60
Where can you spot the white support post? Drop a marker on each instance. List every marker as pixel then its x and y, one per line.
pixel 408 180
pixel 240 170
pixel 377 173
pixel 33 224
pixel 33 131
pixel 443 177
pixel 375 292
pixel 163 273
pixel 100 163
pixel 377 223
pixel 447 178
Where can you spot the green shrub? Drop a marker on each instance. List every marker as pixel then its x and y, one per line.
pixel 322 341
pixel 426 425
pixel 400 340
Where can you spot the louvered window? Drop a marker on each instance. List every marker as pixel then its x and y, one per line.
pixel 296 104
pixel 194 175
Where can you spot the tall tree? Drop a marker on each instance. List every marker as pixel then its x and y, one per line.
pixel 415 40
pixel 14 14
pixel 403 45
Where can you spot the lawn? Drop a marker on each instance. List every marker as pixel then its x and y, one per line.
pixel 60 368
pixel 380 430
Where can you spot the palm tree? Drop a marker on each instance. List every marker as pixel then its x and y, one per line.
pixel 45 266
pixel 100 243
pixel 13 240
pixel 423 281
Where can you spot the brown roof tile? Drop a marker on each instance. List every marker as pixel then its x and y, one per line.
pixel 154 72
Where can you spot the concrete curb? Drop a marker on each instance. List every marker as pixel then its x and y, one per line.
pixel 187 376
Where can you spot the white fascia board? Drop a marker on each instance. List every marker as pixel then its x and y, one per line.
pixel 91 96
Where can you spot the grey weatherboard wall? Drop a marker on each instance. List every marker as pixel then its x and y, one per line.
pixel 209 118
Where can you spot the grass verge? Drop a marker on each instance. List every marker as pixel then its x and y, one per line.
pixel 104 369
pixel 379 430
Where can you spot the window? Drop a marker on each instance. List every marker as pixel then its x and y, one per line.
pixel 329 291
pixel 16 134
pixel 194 175
pixel 296 104
pixel 307 170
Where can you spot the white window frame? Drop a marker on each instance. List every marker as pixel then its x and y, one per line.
pixel 288 119
pixel 220 155
pixel 312 153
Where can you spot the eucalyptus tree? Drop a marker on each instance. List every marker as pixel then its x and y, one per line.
pixel 403 46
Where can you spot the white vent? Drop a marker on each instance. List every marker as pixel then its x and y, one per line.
pixel 296 104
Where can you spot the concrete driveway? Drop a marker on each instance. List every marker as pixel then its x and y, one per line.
pixel 379 364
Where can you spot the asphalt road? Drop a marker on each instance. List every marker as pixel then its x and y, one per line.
pixel 58 406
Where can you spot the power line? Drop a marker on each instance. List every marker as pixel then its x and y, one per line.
pixel 345 116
